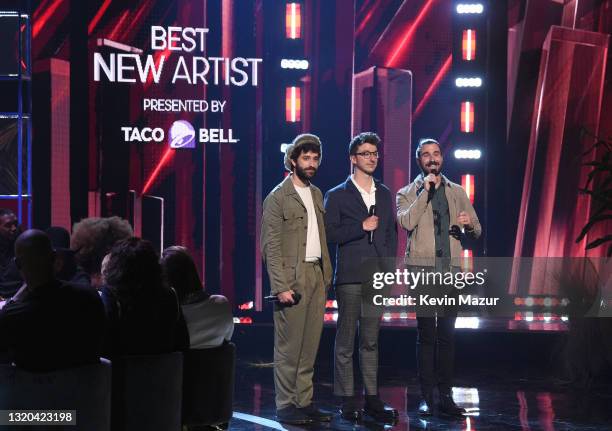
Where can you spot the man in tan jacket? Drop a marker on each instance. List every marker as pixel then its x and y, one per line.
pixel 294 248
pixel 437 215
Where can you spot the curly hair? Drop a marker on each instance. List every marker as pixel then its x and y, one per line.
pixel 133 270
pixel 93 237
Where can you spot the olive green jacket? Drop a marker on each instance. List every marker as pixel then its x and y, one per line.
pixel 415 215
pixel 283 237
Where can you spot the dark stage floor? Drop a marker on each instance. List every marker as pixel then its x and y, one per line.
pixel 505 380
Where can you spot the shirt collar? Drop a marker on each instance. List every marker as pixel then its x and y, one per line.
pixel 362 191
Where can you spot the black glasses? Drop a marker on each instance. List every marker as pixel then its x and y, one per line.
pixel 368 154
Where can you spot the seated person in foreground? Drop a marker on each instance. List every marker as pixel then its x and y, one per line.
pixel 144 316
pixel 208 317
pixel 49 324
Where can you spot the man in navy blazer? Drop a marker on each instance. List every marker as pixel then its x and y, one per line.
pixel 362 236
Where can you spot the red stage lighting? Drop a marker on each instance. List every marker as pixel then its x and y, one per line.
pixel 467 182
pixel 467 117
pixel 400 47
pixel 293 20
pixel 98 16
pixel 164 160
pixel 468 45
pixel 293 104
pixel 246 306
pixel 434 85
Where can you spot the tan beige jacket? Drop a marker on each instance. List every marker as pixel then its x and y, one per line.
pixel 283 237
pixel 415 215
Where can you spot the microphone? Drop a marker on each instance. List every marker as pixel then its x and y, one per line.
pixel 371 212
pixel 296 299
pixel 432 185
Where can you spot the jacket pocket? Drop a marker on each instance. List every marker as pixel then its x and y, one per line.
pixel 292 218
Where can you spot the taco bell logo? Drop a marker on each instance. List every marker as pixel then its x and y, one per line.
pixel 182 135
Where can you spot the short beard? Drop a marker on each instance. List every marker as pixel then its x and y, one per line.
pixel 301 173
pixel 436 167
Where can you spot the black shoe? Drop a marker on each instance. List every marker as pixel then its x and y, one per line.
pixel 350 411
pixel 378 410
pixel 426 406
pixel 448 406
pixel 293 416
pixel 316 414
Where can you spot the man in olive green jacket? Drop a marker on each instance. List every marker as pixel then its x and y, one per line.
pixel 294 248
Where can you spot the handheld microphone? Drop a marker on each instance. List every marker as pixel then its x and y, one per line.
pixel 371 212
pixel 432 185
pixel 296 299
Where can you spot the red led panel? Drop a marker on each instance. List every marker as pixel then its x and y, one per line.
pixel 468 45
pixel 467 117
pixel 467 182
pixel 293 21
pixel 293 104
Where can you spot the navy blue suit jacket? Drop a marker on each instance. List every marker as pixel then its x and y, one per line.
pixel 345 212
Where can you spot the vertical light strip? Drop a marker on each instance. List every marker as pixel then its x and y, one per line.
pixel 467 182
pixel 467 117
pixel 293 21
pixel 293 104
pixel 468 45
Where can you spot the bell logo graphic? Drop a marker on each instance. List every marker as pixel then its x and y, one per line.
pixel 182 135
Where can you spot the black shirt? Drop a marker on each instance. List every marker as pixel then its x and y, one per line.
pixel 58 326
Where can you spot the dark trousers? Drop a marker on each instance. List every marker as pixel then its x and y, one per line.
pixel 356 310
pixel 436 352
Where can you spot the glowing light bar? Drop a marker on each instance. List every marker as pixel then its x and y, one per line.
pixel 246 306
pixel 466 395
pixel 243 320
pixel 331 304
pixel 467 182
pixel 467 117
pixel 330 317
pixel 468 45
pixel 294 64
pixel 467 263
pixel 293 21
pixel 462 82
pixel 468 154
pixel 293 104
pixel 467 322
pixel 470 8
